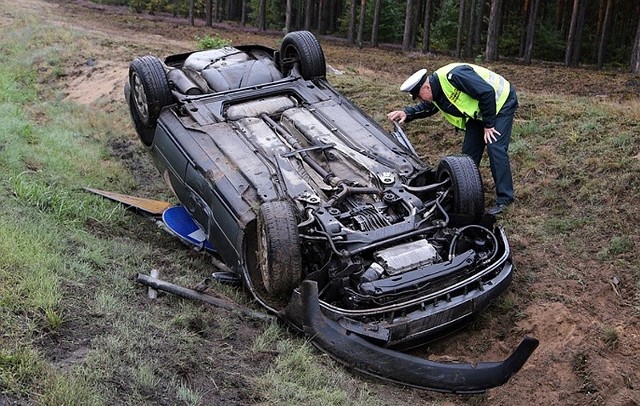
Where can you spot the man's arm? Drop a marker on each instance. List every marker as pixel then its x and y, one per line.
pixel 467 80
pixel 421 110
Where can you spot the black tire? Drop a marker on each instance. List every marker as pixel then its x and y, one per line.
pixel 149 94
pixel 303 48
pixel 278 254
pixel 466 202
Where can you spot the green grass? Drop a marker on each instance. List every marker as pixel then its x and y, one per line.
pixel 296 379
pixel 49 151
pixel 211 42
pixel 271 335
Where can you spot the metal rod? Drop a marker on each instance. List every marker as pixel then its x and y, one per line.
pixel 192 294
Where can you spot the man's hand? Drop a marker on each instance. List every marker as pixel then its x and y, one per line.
pixel 398 115
pixel 490 135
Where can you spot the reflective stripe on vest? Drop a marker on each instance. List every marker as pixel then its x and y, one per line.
pixel 465 103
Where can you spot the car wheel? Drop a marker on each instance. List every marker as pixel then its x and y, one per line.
pixel 279 257
pixel 466 203
pixel 303 48
pixel 149 93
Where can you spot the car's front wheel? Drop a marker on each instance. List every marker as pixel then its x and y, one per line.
pixel 278 253
pixel 466 202
pixel 149 93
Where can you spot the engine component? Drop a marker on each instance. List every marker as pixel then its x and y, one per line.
pixel 374 272
pixel 401 258
pixel 367 218
pixel 419 277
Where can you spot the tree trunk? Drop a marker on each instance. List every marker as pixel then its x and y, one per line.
pixel 243 18
pixel 321 14
pixel 606 22
pixel 635 54
pixel 426 27
pixel 460 25
pixel 191 17
pixel 491 50
pixel 262 15
pixel 209 13
pixel 333 16
pixel 560 15
pixel 526 14
pixel 288 16
pixel 471 29
pixel 414 25
pixel 376 23
pixel 308 13
pixel 579 32
pixel 571 40
pixel 351 36
pixel 531 27
pixel 409 17
pixel 479 24
pixel 600 21
pixel 363 8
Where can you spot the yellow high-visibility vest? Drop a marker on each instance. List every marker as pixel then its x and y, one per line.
pixel 465 103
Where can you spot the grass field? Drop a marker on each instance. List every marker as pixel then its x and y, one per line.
pixel 75 329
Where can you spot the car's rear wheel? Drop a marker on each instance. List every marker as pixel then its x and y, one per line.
pixel 303 48
pixel 149 94
pixel 278 252
pixel 466 202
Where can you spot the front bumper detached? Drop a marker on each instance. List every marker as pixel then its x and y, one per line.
pixel 366 357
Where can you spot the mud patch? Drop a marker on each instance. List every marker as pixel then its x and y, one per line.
pixel 96 80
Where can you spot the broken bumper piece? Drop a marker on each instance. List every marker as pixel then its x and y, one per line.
pixel 366 357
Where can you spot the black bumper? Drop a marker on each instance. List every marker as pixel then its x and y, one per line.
pixel 366 357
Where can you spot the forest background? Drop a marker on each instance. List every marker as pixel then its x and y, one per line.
pixel 573 32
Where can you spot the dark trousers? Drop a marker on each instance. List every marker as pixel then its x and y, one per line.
pixel 498 151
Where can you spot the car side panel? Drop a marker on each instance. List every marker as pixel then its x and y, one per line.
pixel 222 197
pixel 169 158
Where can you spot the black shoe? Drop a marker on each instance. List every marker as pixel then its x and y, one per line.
pixel 497 209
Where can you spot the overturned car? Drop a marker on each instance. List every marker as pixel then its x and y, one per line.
pixel 331 222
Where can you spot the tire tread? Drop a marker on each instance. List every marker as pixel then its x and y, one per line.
pixel 285 259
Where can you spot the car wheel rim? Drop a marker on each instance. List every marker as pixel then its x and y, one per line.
pixel 140 97
pixel 449 200
pixel 291 55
